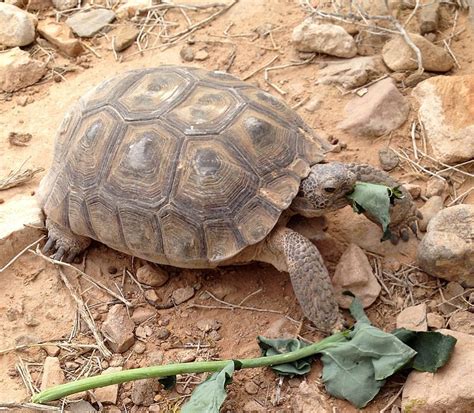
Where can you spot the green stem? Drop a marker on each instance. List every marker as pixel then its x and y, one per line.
pixel 63 390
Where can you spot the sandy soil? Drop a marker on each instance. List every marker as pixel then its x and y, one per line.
pixel 34 304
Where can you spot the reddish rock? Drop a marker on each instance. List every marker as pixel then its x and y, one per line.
pixel 118 329
pixel 60 35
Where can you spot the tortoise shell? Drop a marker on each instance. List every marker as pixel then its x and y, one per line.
pixel 176 165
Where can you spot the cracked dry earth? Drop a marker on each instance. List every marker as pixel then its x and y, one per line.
pixel 35 306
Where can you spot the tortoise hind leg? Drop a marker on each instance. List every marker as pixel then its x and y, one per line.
pixel 63 243
pixel 309 277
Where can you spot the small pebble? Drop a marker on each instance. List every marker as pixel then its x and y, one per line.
pixel 187 54
pixel 162 333
pixel 251 387
pixel 139 347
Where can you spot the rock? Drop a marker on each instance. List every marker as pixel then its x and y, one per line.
pixel 323 38
pixel 453 295
pixel 352 73
pixel 398 56
pixel 17 3
pixel 251 387
pixel 151 296
pixel 17 27
pixel 155 358
pixel 18 70
pixel 447 250
pixel 141 314
pixel 18 211
pixel 388 159
pixel 162 333
pixel 155 408
pixel 413 318
pixel 365 115
pixel 152 276
pixel 313 104
pixel 201 55
pixel 133 7
pixel 65 4
pixel 143 391
pixel 435 187
pixel 428 16
pixel 414 190
pixel 124 36
pixel 429 210
pixel 253 406
pixel 39 5
pixel 89 22
pixel 52 351
pixel 450 389
pixel 310 399
pixel 118 329
pixel 207 324
pixel 447 113
pixel 80 407
pixel 434 321
pixel 187 53
pixel 139 347
pixel 462 321
pixel 52 373
pixel 182 295
pixel 60 35
pixel 354 273
pixel 108 394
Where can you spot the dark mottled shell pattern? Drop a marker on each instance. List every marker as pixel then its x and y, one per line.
pixel 176 165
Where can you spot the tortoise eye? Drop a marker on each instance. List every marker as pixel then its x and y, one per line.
pixel 330 189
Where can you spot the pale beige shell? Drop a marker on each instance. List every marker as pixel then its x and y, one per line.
pixel 177 165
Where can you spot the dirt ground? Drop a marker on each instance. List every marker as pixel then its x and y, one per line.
pixel 35 306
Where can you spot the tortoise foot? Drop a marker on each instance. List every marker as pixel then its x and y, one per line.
pixel 62 243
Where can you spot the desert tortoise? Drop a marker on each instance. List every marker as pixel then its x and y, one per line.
pixel 191 168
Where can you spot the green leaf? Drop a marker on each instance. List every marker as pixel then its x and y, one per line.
pixel 375 199
pixel 433 349
pixel 356 370
pixel 272 347
pixel 209 395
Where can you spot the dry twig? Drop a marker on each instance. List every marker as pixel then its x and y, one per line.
pixel 19 177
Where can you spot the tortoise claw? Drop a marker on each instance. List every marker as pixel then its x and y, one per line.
pixel 394 238
pixel 404 234
pixel 49 245
pixel 59 254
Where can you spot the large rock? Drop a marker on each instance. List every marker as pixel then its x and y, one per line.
pixel 324 38
pixel 152 276
pixel 398 56
pixel 17 27
pixel 89 22
pixel 118 329
pixel 378 112
pixel 354 273
pixel 18 70
pixel 352 73
pixel 123 36
pixel 447 113
pixel 450 389
pixel 15 214
pixel 60 35
pixel 447 250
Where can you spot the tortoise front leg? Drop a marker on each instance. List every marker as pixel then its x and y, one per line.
pixel 403 214
pixel 63 242
pixel 309 276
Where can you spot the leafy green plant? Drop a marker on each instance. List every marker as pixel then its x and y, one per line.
pixel 375 199
pixel 356 364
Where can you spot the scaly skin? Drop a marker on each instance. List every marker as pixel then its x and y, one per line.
pixel 63 242
pixel 309 277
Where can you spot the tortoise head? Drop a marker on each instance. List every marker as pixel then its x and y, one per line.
pixel 324 189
